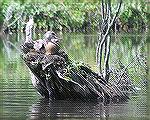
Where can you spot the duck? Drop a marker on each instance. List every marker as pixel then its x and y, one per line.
pixel 49 44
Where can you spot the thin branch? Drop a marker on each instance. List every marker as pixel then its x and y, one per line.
pixel 124 70
pixel 102 9
pixel 99 53
pixel 107 46
pixel 28 30
pixel 106 62
pixel 97 49
pixel 103 37
pixel 14 21
pixel 117 12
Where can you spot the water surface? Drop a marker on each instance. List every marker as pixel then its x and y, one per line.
pixel 19 99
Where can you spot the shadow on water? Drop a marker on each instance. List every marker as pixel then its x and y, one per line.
pixel 44 109
pixel 19 100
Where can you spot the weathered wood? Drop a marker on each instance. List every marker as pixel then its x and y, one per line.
pixel 56 77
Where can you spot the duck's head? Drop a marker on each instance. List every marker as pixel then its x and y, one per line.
pixel 51 36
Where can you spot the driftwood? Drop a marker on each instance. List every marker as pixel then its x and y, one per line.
pixel 56 77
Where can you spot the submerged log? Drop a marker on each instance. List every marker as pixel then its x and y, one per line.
pixel 56 77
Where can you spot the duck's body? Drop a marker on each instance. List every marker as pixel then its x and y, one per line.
pixel 48 45
pixel 51 43
pixel 51 48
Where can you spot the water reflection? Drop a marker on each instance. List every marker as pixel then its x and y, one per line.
pixel 19 100
pixel 79 109
pixel 45 108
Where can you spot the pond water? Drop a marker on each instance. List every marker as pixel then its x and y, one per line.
pixel 19 99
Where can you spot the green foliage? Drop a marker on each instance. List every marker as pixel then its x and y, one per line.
pixel 68 15
pixel 133 15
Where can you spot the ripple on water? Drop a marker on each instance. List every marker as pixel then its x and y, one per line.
pixel 20 100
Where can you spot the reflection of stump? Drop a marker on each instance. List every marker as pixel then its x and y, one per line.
pixel 56 77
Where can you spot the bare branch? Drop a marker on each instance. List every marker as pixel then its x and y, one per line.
pixel 28 30
pixel 117 12
pixel 106 25
pixel 106 61
pixel 102 9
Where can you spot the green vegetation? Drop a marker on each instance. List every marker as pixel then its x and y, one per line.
pixel 72 16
